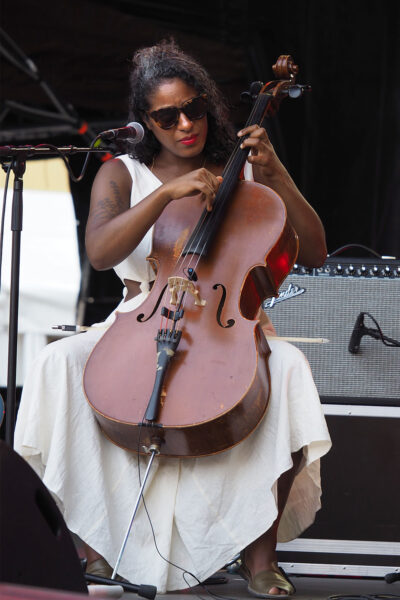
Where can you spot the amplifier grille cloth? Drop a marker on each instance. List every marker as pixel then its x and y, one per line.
pixel 329 309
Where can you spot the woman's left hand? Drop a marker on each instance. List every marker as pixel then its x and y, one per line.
pixel 268 170
pixel 262 153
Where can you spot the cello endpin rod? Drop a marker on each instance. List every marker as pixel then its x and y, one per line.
pixel 153 450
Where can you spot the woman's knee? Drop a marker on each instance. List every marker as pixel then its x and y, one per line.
pixel 70 350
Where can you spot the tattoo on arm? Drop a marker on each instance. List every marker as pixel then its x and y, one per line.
pixel 118 203
pixel 108 207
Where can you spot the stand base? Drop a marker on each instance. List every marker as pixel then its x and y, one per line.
pixel 146 591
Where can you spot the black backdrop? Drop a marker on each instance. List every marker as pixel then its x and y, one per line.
pixel 341 142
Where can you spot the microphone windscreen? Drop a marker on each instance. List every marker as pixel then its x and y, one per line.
pixel 138 133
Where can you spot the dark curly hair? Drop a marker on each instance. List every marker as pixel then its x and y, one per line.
pixel 165 60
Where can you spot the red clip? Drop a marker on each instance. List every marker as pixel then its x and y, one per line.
pixel 83 128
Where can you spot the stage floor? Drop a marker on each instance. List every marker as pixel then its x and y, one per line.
pixel 308 588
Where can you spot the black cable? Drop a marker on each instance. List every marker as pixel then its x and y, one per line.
pixel 85 164
pixel 184 571
pixel 388 341
pixel 349 246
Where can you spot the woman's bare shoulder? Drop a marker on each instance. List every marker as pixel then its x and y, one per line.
pixel 114 169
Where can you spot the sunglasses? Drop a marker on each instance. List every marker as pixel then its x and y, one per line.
pixel 193 109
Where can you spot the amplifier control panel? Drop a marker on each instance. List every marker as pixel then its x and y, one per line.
pixel 353 267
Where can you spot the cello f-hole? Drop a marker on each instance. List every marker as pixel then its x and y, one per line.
pixel 141 318
pixel 230 322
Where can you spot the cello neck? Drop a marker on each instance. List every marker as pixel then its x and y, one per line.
pixel 209 222
pixel 239 155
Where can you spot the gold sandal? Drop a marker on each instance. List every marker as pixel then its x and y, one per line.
pixel 262 582
pixel 101 568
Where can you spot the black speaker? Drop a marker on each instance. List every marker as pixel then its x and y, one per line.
pixel 325 303
pixel 36 548
pixel 356 531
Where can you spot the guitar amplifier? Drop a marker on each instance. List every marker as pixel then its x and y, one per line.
pixel 356 533
pixel 326 303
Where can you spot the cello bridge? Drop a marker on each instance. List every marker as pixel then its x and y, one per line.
pixel 178 285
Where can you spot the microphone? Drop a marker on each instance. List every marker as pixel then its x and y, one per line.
pixel 359 330
pixel 133 132
pixel 357 333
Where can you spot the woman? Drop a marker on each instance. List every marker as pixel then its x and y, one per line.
pixel 203 510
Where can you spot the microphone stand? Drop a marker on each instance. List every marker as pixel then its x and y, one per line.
pixel 17 155
pixel 18 167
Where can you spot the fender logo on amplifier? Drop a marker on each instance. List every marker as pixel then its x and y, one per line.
pixel 291 292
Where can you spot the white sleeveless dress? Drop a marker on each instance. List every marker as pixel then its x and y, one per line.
pixel 203 511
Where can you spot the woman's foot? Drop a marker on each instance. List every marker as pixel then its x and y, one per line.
pixel 101 568
pixel 270 583
pixel 91 555
pixel 259 560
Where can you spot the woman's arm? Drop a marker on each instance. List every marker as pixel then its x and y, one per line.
pixel 114 229
pixel 269 171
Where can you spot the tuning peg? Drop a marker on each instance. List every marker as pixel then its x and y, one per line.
pixel 295 91
pixel 245 97
pixel 253 92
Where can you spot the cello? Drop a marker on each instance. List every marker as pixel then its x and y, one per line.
pixel 198 383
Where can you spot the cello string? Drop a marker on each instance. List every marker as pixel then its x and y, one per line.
pixel 233 161
pixel 193 259
pixel 217 206
pixel 180 262
pixel 202 238
pixel 183 262
pixel 252 119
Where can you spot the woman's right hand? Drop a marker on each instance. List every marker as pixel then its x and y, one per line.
pixel 201 181
pixel 114 229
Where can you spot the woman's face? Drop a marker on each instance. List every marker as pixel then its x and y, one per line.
pixel 187 138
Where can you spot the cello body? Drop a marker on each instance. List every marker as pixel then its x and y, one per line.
pixel 216 387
